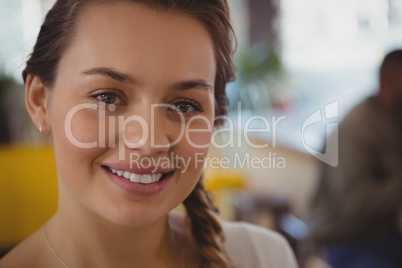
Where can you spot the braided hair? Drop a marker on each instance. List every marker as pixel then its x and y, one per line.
pixel 206 229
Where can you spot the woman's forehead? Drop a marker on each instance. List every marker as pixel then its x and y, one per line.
pixel 133 38
pixel 134 22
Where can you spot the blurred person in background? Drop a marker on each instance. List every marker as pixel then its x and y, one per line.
pixel 357 205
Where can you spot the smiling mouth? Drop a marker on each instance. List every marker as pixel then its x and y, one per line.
pixel 139 178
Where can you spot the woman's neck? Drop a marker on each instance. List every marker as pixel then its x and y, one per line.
pixel 93 241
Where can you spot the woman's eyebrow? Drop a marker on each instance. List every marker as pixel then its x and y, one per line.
pixel 128 79
pixel 193 84
pixel 110 73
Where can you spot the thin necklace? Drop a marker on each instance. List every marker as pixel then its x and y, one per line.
pixel 176 237
pixel 51 248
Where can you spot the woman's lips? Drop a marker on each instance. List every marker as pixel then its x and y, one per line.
pixel 141 184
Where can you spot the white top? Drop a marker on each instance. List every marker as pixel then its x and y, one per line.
pixel 252 246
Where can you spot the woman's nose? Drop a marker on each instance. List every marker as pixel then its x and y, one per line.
pixel 145 132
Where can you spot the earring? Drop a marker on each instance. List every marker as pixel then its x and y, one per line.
pixel 44 133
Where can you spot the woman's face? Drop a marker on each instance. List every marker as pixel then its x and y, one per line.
pixel 123 59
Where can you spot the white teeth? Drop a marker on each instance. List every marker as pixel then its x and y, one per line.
pixel 138 178
pixel 157 176
pixel 135 177
pixel 146 178
pixel 126 174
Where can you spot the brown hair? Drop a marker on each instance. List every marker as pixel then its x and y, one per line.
pixel 55 36
pixel 58 28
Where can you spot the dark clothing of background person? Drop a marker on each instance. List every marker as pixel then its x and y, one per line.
pixel 354 213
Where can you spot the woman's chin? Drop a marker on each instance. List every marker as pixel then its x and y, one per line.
pixel 138 219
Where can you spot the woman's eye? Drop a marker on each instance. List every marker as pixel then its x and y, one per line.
pixel 109 98
pixel 186 107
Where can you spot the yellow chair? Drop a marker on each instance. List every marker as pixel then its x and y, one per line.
pixel 222 183
pixel 28 191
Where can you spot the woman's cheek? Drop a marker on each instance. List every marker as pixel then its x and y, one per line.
pixel 196 145
pixel 198 133
pixel 76 135
pixel 82 129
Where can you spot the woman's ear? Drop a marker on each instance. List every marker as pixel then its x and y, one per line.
pixel 36 102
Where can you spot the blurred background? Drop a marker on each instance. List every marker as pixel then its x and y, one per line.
pixel 294 58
